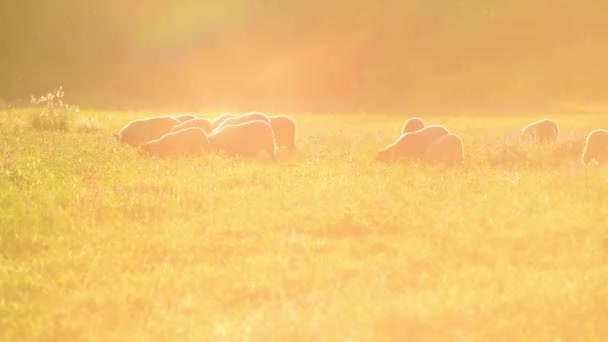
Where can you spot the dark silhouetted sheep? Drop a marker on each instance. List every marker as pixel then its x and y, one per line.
pixel 596 148
pixel 141 131
pixel 242 119
pixel 412 125
pixel 218 121
pixel 189 141
pixel 543 131
pixel 246 139
pixel 185 117
pixel 285 130
pixel 446 151
pixel 412 145
pixel 204 124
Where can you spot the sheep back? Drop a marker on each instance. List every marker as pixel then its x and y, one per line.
pixel 412 125
pixel 446 150
pixel 218 121
pixel 596 147
pixel 141 131
pixel 185 117
pixel 246 139
pixel 285 130
pixel 412 145
pixel 188 141
pixel 542 131
pixel 204 124
pixel 237 120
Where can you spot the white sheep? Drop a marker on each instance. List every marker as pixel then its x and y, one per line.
pixel 542 131
pixel 204 124
pixel 218 121
pixel 237 120
pixel 596 147
pixel 412 125
pixel 446 151
pixel 141 131
pixel 246 139
pixel 185 117
pixel 285 130
pixel 412 145
pixel 188 141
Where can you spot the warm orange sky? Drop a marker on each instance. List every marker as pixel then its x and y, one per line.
pixel 361 55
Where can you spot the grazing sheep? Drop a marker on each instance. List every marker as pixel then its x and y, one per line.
pixel 412 125
pixel 446 151
pixel 188 141
pixel 246 139
pixel 242 119
pixel 141 131
pixel 412 145
pixel 596 147
pixel 185 117
pixel 218 121
pixel 284 131
pixel 543 131
pixel 204 124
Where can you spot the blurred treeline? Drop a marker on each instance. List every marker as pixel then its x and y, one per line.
pixel 305 55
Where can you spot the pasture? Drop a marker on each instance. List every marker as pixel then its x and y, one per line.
pixel 98 242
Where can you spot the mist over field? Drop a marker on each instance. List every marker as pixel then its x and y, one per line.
pixel 320 219
pixel 312 56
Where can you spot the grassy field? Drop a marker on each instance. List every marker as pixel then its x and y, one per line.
pixel 98 242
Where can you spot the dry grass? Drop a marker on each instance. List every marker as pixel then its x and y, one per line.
pixel 98 242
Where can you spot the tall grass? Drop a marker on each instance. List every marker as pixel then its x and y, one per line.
pixel 99 242
pixel 53 113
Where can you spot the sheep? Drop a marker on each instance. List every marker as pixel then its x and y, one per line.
pixel 246 139
pixel 284 131
pixel 543 131
pixel 412 125
pixel 188 141
pixel 596 147
pixel 185 117
pixel 446 151
pixel 204 124
pixel 218 121
pixel 242 119
pixel 141 131
pixel 412 145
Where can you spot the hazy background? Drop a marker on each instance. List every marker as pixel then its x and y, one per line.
pixel 321 56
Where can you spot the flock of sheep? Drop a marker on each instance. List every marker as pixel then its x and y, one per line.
pixel 433 144
pixel 547 131
pixel 245 135
pixel 251 133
